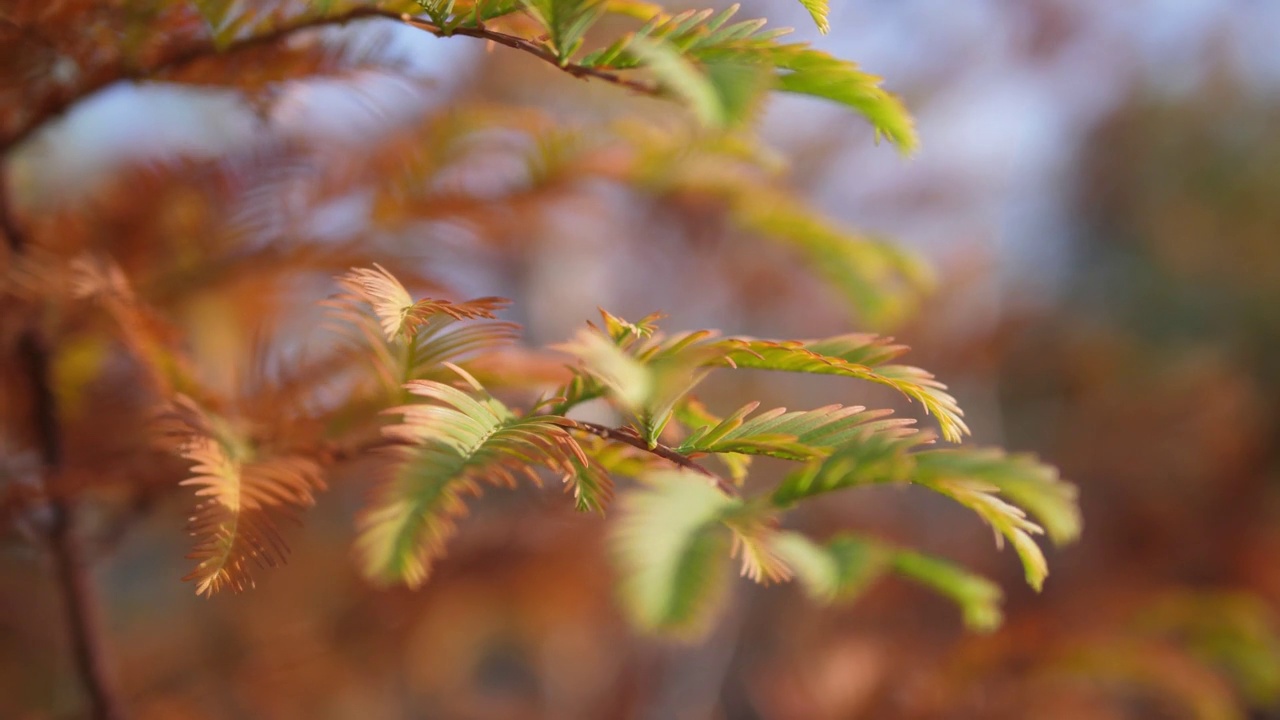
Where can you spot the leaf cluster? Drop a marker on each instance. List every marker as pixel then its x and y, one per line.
pixel 413 370
pixel 682 522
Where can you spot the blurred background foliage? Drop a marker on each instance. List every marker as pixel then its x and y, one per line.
pixel 1096 193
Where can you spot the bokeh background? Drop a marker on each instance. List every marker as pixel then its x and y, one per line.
pixel 1099 194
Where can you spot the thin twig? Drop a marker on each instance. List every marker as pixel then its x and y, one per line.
pixel 74 581
pixel 629 437
pixel 538 51
pixel 82 613
pixel 58 104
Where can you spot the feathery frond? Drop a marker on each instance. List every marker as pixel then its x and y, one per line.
pixel 396 310
pixel 439 340
pixel 450 445
pixel 241 498
pixel 828 359
pixel 702 40
pixel 754 529
pixel 693 415
pixel 590 486
pixel 978 597
pixel 818 10
pixel 977 479
pixel 256 450
pixel 566 23
pixel 647 385
pixel 1024 480
pixel 883 282
pixel 1006 520
pixel 235 525
pixel 802 435
pixel 875 458
pixel 839 569
pixel 972 477
pixel 412 340
pixel 649 375
pixel 807 71
pixel 672 546
pixel 684 80
pixel 846 565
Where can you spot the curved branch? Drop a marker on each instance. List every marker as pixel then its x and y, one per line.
pixel 59 104
pixel 74 581
pixel 524 45
pixel 628 436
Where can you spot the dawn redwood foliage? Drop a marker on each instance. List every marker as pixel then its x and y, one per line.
pixel 441 394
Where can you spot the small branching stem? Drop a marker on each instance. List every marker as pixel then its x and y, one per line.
pixel 58 104
pixel 629 437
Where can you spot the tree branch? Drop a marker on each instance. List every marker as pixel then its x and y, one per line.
pixel 532 48
pixel 74 580
pixel 629 437
pixel 58 104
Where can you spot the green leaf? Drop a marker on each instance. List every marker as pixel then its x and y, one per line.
pixel 1008 521
pixel 882 281
pixel 693 414
pixel 652 374
pixel 971 477
pixel 978 597
pixel 719 95
pixel 879 456
pixel 449 447
pixel 755 526
pixel 625 378
pixel 818 10
pixel 977 478
pixel 740 88
pixel 566 23
pixel 1024 480
pixel 490 9
pixel 634 8
pixel 581 388
pixel 800 356
pixel 672 548
pixel 846 565
pixel 683 79
pixel 624 333
pixel 800 435
pixel 439 11
pixel 646 384
pixel 841 569
pixel 692 32
pixel 859 348
pixel 590 486
pixel 800 68
pixel 812 72
pixel 675 46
